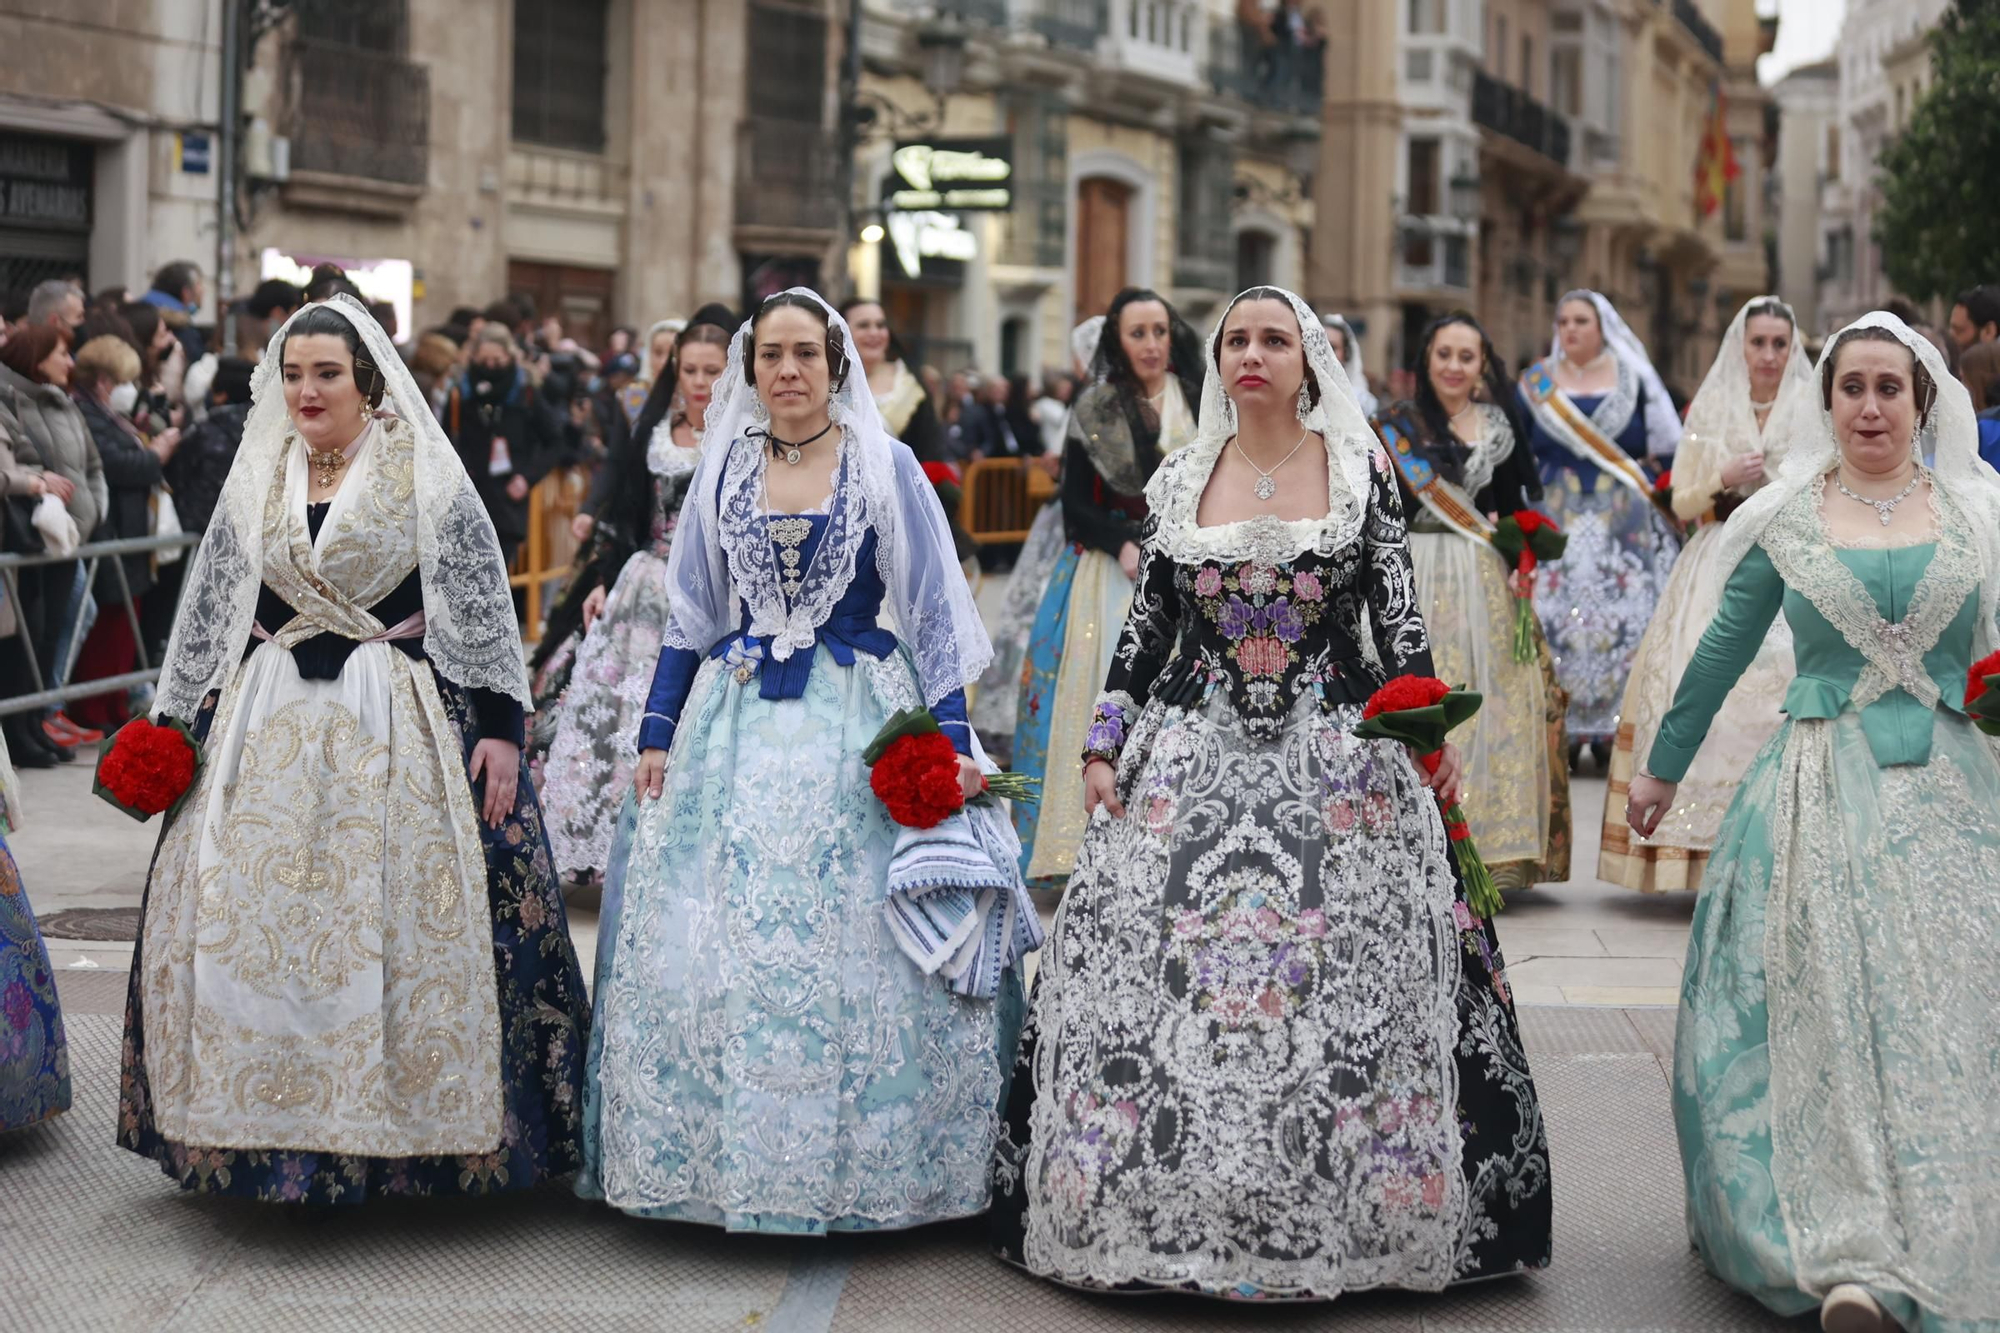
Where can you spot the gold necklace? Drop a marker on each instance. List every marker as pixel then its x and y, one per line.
pixel 326 466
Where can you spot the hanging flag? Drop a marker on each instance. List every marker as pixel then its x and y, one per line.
pixel 1716 164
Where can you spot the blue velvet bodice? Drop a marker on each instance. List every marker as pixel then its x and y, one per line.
pixel 852 627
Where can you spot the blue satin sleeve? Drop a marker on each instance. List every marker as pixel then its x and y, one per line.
pixel 950 713
pixel 672 679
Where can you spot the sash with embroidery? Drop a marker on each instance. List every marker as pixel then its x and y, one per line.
pixel 1576 432
pixel 1444 500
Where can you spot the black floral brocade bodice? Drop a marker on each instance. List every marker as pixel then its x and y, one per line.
pixel 1266 610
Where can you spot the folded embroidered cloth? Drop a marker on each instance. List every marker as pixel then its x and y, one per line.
pixel 956 903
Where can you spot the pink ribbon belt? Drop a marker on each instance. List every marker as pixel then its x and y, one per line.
pixel 409 627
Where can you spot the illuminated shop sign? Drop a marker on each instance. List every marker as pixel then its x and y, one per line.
pixel 917 237
pixel 952 175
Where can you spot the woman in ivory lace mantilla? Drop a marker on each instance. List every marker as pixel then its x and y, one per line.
pixel 588 771
pixel 1461 453
pixel 1137 409
pixel 1834 1068
pixel 1728 451
pixel 1271 1052
pixel 353 976
pixel 804 1011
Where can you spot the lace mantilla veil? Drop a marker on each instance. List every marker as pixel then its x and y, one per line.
pixel 721 552
pixel 1337 418
pixel 1721 423
pixel 1804 438
pixel 470 632
pixel 1663 428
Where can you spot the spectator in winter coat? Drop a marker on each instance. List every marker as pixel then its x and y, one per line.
pixel 506 434
pixel 201 464
pixel 177 291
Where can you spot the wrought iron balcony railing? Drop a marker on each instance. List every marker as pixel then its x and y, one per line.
pixel 1506 110
pixel 786 175
pixel 1076 24
pixel 1278 78
pixel 1704 33
pixel 359 113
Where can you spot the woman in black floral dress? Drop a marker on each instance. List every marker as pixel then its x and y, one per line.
pixel 1272 1053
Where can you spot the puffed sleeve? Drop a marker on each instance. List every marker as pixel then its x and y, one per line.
pixel 1144 647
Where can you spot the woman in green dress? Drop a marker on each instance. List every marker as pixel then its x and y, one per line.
pixel 1838 1055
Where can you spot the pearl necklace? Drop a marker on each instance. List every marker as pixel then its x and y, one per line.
pixel 1267 485
pixel 1884 509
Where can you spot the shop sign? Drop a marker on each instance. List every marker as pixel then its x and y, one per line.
pixel 44 182
pixel 917 237
pixel 956 175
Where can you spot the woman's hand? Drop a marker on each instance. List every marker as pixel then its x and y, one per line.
pixel 971 780
pixel 1100 787
pixel 1445 782
pixel 651 775
pixel 1743 470
pixel 37 485
pixel 166 442
pixel 582 526
pixel 500 763
pixel 1647 801
pixel 593 606
pixel 54 483
pixel 1128 560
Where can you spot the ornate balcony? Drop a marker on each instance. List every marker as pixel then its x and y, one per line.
pixel 1508 111
pixel 358 113
pixel 787 175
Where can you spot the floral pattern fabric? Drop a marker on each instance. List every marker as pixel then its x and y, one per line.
pixel 1271 1052
pixel 544 1027
pixel 591 756
pixel 34 1061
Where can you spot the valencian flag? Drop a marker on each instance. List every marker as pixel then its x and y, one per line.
pixel 1717 165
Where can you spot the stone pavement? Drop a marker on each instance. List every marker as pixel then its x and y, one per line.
pixel 97 1239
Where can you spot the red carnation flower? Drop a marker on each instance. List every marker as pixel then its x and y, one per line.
pixel 1531 521
pixel 1665 481
pixel 916 779
pixel 1405 692
pixel 147 768
pixel 1975 679
pixel 941 474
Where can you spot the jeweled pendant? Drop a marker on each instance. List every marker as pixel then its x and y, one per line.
pixel 792 457
pixel 1266 488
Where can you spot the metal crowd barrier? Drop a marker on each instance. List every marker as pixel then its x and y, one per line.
pixel 91 553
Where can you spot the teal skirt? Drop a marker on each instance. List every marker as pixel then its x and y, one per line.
pixel 1835 1064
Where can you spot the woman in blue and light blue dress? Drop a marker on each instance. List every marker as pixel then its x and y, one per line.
pixel 1602 426
pixel 805 1012
pixel 34 1061
pixel 1838 1055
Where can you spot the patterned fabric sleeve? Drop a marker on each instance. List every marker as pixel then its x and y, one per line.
pixel 1143 649
pixel 1393 615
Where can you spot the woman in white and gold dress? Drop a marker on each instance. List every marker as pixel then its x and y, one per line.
pixel 353 977
pixel 1138 408
pixel 1461 453
pixel 1724 456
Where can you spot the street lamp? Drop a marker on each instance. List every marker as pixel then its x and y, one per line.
pixel 941 45
pixel 872 234
pixel 1464 189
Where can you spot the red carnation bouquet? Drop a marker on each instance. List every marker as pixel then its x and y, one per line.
pixel 1527 538
pixel 1419 711
pixel 1982 695
pixel 913 770
pixel 148 768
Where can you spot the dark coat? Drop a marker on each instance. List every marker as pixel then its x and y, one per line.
pixel 131 471
pixel 538 441
pixel 200 466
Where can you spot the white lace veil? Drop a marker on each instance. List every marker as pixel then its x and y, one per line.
pixel 1721 421
pixel 722 552
pixel 470 632
pixel 1337 417
pixel 1357 378
pixel 1083 342
pixel 1663 428
pixel 1810 452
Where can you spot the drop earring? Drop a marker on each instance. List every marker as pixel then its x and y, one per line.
pixel 1305 401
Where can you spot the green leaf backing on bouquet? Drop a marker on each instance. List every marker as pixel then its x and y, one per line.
pixel 1423 729
pixel 903 722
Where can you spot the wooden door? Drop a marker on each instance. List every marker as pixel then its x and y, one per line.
pixel 580 296
pixel 1103 228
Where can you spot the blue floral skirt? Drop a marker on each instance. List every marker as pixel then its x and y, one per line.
pixel 34 1062
pixel 544 1027
pixel 764 1057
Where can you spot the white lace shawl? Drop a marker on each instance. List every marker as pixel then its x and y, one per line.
pixel 1721 423
pixel 722 552
pixel 470 632
pixel 1174 494
pixel 1663 428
